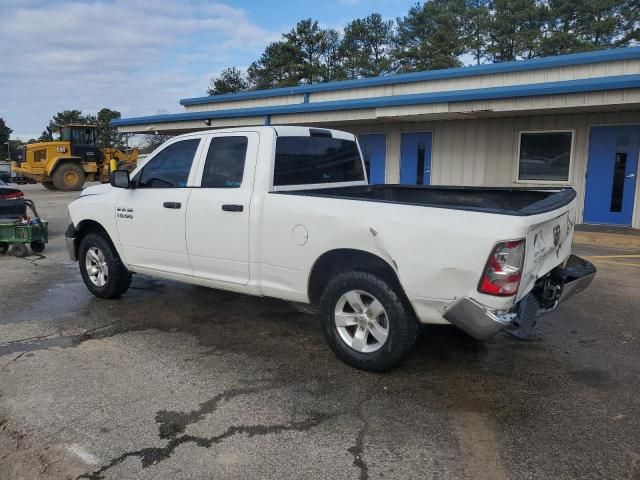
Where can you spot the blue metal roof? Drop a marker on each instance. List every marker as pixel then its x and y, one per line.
pixel 512 91
pixel 504 67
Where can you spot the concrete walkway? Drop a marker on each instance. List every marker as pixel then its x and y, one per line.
pixel 622 237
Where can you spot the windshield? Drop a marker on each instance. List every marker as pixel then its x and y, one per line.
pixel 65 134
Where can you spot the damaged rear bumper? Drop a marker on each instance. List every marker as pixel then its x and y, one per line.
pixel 559 285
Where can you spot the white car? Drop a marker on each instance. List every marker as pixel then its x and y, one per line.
pixel 287 212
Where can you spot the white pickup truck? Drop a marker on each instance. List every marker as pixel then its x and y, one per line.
pixel 287 212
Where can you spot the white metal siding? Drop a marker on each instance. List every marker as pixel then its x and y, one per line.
pixel 574 72
pixel 249 103
pixel 626 67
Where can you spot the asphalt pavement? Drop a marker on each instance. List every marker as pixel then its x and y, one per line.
pixel 173 381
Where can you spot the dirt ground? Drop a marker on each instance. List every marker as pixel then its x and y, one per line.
pixel 180 382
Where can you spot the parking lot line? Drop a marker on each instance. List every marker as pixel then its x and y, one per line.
pixel 612 256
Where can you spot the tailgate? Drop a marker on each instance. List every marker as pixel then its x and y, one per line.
pixel 548 245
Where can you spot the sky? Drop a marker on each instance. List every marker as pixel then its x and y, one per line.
pixel 139 57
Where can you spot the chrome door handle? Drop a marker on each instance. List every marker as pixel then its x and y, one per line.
pixel 631 175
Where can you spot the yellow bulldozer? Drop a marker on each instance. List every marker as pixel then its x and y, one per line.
pixel 67 163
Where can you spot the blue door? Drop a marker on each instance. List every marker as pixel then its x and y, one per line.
pixel 611 175
pixel 374 152
pixel 415 158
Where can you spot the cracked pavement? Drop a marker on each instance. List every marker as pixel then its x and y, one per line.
pixel 180 382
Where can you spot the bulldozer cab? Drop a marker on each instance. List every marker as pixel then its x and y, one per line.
pixel 82 141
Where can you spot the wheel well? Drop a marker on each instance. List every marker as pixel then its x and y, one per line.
pixel 60 161
pixel 85 227
pixel 334 262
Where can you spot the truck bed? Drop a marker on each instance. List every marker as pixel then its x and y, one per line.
pixel 503 201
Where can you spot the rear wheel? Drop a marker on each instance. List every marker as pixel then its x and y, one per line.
pixel 19 250
pixel 68 177
pixel 101 268
pixel 38 246
pixel 4 248
pixel 367 322
pixel 49 185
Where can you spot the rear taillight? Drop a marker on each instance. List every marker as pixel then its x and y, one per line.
pixel 11 196
pixel 503 271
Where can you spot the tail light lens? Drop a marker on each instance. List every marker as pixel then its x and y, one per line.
pixel 503 270
pixel 12 195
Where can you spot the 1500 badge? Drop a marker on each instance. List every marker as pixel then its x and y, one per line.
pixel 122 212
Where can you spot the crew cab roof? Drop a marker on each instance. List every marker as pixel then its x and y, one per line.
pixel 282 131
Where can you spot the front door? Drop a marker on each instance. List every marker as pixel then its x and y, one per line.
pixel 415 158
pixel 151 216
pixel 612 175
pixel 374 152
pixel 219 210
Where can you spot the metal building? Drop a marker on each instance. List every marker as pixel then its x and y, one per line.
pixel 566 120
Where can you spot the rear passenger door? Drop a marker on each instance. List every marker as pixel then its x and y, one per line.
pixel 151 216
pixel 218 212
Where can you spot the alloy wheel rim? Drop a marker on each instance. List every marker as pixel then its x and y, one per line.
pixel 361 321
pixel 96 266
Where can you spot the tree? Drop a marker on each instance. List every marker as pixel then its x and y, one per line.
pixel 277 67
pixel 515 29
pixel 108 136
pixel 5 131
pixel 46 136
pixel 630 19
pixel 152 141
pixel 366 45
pixel 231 80
pixel 316 48
pixel 65 117
pixel 306 54
pixel 430 36
pixel 5 134
pixel 477 21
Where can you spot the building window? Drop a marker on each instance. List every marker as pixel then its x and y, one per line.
pixel 545 156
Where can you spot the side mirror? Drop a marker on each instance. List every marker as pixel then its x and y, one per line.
pixel 120 179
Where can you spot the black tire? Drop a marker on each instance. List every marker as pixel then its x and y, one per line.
pixel 401 321
pixel 38 246
pixel 49 185
pixel 128 166
pixel 118 277
pixel 68 177
pixel 4 248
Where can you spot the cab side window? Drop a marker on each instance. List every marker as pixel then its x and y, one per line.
pixel 224 166
pixel 170 168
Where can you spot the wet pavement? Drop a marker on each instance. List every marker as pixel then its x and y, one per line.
pixel 175 381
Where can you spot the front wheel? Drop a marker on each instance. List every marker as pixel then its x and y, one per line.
pixel 101 268
pixel 68 177
pixel 367 322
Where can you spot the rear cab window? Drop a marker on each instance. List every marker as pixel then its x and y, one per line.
pixel 314 160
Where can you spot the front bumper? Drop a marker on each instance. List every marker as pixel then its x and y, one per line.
pixel 70 239
pixel 475 319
